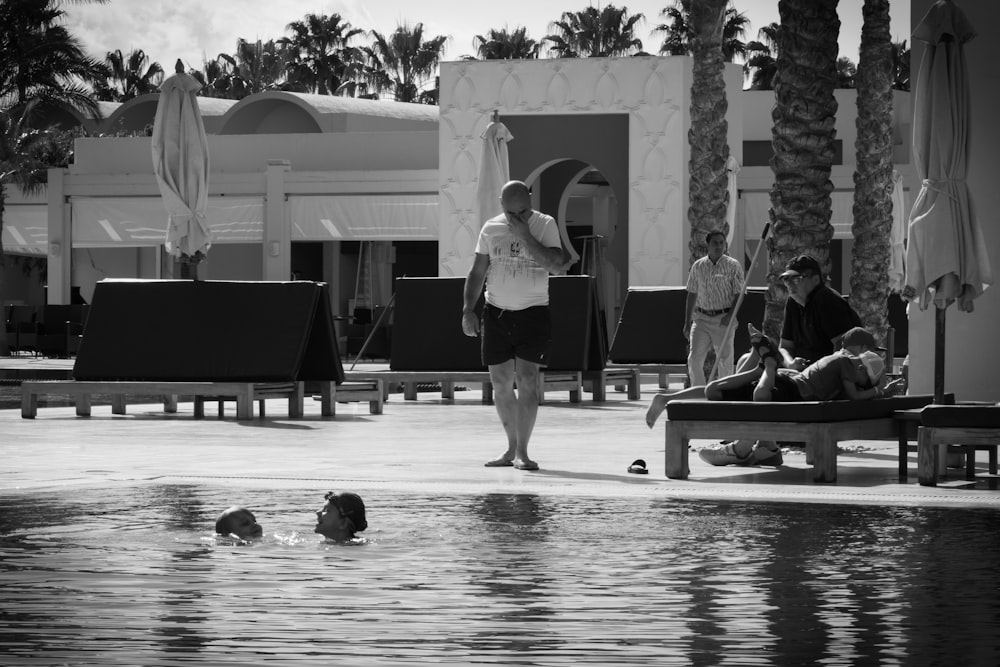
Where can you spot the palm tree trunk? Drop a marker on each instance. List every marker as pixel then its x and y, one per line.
pixel 873 175
pixel 707 137
pixel 4 342
pixel 803 139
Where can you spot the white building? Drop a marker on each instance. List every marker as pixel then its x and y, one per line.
pixel 298 181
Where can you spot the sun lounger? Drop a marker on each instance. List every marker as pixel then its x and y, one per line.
pixel 571 381
pixel 244 393
pixel 820 424
pixel 971 426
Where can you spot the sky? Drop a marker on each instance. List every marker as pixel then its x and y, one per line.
pixel 196 30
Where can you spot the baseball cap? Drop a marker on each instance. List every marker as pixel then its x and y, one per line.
pixel 801 264
pixel 860 336
pixel 873 364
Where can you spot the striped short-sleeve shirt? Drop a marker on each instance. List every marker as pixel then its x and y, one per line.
pixel 715 283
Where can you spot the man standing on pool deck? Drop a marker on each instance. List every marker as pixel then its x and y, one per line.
pixel 713 288
pixel 515 253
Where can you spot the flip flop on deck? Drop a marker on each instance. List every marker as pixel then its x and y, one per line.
pixel 638 467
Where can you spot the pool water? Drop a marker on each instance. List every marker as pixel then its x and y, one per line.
pixel 132 576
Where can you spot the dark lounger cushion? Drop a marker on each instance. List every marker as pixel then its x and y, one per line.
pixel 212 331
pixel 803 412
pixel 965 416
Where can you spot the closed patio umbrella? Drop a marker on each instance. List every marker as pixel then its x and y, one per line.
pixel 494 172
pixel 945 257
pixel 494 169
pixel 181 164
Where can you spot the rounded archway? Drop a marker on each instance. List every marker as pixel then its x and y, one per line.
pixel 585 205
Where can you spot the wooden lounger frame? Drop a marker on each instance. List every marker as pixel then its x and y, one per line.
pixel 821 439
pixel 575 382
pixel 244 393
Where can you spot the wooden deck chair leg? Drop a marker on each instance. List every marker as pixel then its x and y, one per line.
pixel 244 403
pixel 927 457
pixel 296 402
pixel 328 399
pixel 677 464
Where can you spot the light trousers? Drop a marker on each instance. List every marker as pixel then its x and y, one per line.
pixel 708 332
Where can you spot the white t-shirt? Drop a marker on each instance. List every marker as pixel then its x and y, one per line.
pixel 514 281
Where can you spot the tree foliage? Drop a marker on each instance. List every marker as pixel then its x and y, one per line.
pixel 680 31
pixel 595 33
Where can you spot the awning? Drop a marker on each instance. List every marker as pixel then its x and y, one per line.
pixel 757 204
pixel 364 217
pixel 101 222
pixel 26 229
pixel 142 221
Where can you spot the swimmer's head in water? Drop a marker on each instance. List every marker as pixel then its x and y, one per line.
pixel 341 517
pixel 240 522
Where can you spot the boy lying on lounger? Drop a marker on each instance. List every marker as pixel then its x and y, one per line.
pixel 855 372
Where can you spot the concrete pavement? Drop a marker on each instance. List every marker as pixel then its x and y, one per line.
pixel 433 445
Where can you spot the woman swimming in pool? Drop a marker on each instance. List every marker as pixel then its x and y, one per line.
pixel 341 517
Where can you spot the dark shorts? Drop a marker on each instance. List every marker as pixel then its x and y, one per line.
pixel 525 334
pixel 785 391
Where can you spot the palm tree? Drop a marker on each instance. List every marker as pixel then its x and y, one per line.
pixel 40 59
pixel 901 66
pixel 873 175
pixel 403 62
pixel 255 67
pixel 504 45
pixel 761 64
pixel 25 156
pixel 124 77
pixel 680 31
pixel 215 79
pixel 320 52
pixel 707 136
pixel 847 72
pixel 595 33
pixel 803 140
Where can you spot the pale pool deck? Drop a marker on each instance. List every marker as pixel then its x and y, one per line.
pixel 428 446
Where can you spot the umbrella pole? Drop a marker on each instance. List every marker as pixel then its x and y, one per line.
pixel 378 322
pixel 739 300
pixel 939 328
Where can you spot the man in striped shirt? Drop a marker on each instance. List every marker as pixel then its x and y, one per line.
pixel 714 285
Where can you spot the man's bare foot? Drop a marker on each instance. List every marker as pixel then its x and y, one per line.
pixel 525 464
pixel 656 408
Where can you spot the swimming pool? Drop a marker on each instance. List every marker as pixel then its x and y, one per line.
pixel 130 575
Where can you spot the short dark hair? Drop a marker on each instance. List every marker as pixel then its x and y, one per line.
pixel 714 233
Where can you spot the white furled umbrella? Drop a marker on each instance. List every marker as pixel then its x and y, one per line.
pixel 732 169
pixel 494 169
pixel 181 165
pixel 897 234
pixel 945 256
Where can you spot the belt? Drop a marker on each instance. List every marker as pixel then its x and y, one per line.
pixel 712 313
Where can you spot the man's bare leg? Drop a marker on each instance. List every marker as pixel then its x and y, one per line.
pixel 527 409
pixel 502 377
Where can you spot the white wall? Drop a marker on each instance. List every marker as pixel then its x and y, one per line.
pixel 653 91
pixel 971 353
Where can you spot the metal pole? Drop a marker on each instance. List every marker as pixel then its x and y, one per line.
pixel 385 311
pixel 739 300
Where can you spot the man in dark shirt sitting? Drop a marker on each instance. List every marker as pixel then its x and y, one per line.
pixel 816 316
pixel 815 321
